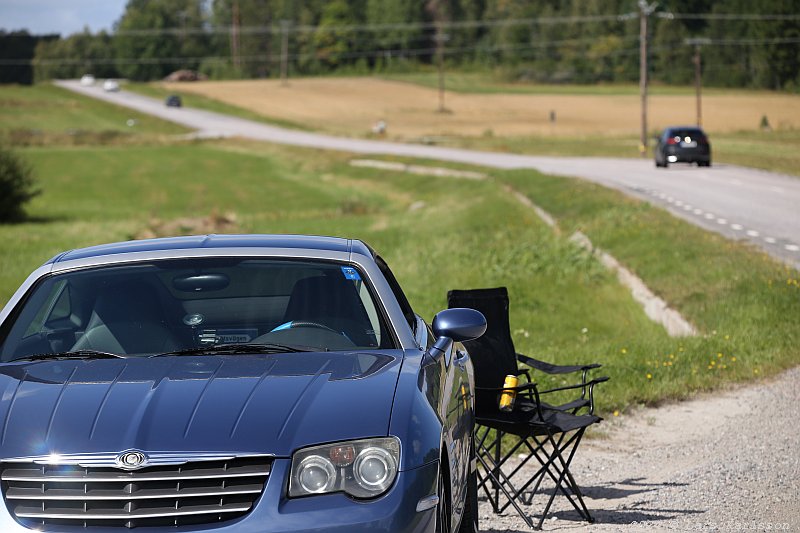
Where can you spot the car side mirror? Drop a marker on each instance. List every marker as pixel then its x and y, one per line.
pixel 459 324
pixel 456 325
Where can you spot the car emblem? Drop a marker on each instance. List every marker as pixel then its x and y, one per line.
pixel 131 460
pixel 194 319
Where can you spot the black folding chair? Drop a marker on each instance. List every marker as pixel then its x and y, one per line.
pixel 550 433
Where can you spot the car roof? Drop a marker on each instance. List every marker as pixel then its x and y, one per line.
pixel 672 128
pixel 217 242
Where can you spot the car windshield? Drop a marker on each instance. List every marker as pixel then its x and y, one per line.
pixel 196 306
pixel 691 133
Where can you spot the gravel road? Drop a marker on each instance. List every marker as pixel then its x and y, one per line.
pixel 729 461
pixel 740 203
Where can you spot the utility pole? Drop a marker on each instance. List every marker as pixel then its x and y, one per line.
pixel 235 34
pixel 284 52
pixel 698 73
pixel 440 40
pixel 644 13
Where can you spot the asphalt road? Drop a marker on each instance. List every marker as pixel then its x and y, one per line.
pixel 737 202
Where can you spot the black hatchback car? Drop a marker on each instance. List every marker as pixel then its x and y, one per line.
pixel 683 144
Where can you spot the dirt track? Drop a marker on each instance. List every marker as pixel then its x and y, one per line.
pixel 351 106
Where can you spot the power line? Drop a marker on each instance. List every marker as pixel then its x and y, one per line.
pixel 731 16
pixel 464 24
pixel 388 52
pixel 375 27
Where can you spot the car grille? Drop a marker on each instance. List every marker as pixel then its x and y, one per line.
pixel 200 492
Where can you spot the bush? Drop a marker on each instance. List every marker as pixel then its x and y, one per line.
pixel 17 185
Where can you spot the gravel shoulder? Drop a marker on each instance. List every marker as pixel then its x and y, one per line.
pixel 727 461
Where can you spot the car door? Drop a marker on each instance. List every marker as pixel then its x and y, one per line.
pixel 455 385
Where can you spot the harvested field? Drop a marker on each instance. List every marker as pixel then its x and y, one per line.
pixel 351 106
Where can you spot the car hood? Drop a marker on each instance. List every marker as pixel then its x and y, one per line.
pixel 266 404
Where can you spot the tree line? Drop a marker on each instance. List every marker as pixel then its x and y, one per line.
pixel 745 43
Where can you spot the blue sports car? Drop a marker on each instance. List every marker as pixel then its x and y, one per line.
pixel 241 383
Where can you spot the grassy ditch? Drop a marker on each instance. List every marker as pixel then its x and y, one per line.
pixel 743 302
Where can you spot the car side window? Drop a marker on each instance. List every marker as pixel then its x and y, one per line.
pixel 57 305
pixel 399 295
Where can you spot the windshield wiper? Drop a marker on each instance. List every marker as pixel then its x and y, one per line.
pixel 226 349
pixel 76 354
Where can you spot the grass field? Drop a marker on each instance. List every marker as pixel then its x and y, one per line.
pixel 440 233
pixel 45 114
pixel 482 113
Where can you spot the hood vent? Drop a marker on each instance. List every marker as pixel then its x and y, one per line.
pixel 194 492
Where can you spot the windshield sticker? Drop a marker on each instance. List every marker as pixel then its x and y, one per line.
pixel 351 273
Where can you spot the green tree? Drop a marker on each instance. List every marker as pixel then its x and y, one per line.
pixel 17 185
pixel 397 43
pixel 334 41
pixel 778 64
pixel 78 54
pixel 672 57
pixel 155 37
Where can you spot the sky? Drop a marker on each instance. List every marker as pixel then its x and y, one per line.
pixel 59 16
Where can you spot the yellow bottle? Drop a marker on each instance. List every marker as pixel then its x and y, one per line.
pixel 508 396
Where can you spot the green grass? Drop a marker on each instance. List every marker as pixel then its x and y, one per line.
pixel 441 233
pixel 469 233
pixel 743 302
pixel 188 99
pixel 44 113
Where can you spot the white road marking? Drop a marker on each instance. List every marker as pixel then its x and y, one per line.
pixel 770 240
pixel 792 247
pixel 678 203
pixel 776 189
pixel 736 227
pixel 752 233
pixel 709 216
pixel 698 211
pixel 670 199
pixel 721 221
pixel 735 182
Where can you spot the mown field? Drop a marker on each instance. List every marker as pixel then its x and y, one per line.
pixel 437 233
pixel 489 114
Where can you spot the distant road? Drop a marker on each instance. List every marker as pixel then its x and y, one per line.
pixel 737 202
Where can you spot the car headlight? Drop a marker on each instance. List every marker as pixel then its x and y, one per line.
pixel 361 468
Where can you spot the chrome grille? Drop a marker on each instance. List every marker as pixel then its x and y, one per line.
pixel 195 492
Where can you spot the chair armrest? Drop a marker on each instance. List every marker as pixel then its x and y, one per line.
pixel 589 384
pixel 549 368
pixel 526 387
pixel 578 386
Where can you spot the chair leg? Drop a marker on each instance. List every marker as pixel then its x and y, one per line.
pixel 499 484
pixel 566 475
pixel 556 467
pixel 554 455
pixel 496 473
